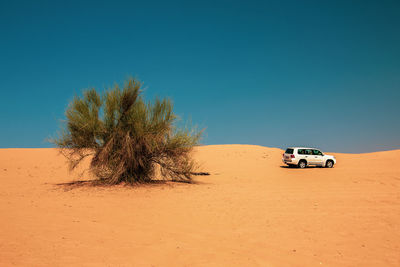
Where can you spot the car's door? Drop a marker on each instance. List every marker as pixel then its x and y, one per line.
pixel 317 157
pixel 308 156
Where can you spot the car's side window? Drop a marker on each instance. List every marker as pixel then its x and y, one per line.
pixel 300 151
pixel 307 152
pixel 317 152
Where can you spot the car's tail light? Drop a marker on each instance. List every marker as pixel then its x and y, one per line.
pixel 292 156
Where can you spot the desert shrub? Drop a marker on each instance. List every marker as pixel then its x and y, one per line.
pixel 127 138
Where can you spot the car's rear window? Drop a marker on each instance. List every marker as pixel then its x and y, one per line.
pixel 289 151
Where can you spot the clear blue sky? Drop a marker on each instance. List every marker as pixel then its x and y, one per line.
pixel 272 73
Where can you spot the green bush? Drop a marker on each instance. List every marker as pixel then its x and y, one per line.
pixel 127 138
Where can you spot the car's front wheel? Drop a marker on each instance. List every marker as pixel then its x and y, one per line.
pixel 329 164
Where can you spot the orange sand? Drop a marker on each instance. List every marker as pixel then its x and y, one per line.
pixel 249 212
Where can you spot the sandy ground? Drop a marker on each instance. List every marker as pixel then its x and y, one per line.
pixel 250 211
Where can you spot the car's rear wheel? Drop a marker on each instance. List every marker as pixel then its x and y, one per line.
pixel 302 164
pixel 329 164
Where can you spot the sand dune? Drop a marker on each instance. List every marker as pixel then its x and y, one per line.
pixel 249 212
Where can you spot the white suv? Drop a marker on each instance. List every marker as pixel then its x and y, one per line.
pixel 304 156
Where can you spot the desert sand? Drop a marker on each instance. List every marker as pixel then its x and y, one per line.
pixel 251 211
